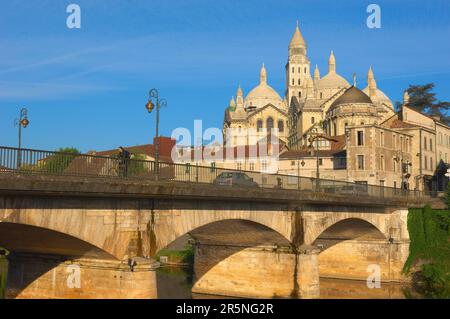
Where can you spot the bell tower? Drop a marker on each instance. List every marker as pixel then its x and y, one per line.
pixel 297 68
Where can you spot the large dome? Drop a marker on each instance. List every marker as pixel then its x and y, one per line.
pixel 332 81
pixel 352 95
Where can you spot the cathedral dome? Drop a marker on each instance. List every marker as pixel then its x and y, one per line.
pixel 332 81
pixel 381 96
pixel 353 95
pixel 263 94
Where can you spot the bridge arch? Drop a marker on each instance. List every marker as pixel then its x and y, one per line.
pixel 170 226
pixel 321 223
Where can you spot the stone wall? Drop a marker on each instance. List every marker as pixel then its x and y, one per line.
pixel 46 277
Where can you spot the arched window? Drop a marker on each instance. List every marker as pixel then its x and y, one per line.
pixel 300 94
pixel 259 125
pixel 313 120
pixel 269 124
pixel 305 69
pixel 299 70
pixel 293 70
pixel 293 82
pixel 281 126
pixel 299 82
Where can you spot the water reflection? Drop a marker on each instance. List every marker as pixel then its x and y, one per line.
pixel 174 282
pixel 177 282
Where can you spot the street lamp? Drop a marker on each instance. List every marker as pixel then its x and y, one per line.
pixel 21 122
pixel 154 95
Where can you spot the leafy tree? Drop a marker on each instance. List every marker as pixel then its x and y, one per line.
pixel 58 162
pixel 447 196
pixel 423 99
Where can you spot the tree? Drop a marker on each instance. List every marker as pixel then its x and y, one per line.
pixel 447 196
pixel 58 162
pixel 423 99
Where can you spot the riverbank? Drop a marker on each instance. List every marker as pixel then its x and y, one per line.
pixel 429 258
pixel 3 273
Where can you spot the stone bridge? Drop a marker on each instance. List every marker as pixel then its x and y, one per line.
pixel 96 238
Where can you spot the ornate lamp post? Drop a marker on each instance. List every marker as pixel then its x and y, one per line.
pixel 21 122
pixel 154 95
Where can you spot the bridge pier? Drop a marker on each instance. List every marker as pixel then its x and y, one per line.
pixel 256 272
pixel 52 277
pixel 307 273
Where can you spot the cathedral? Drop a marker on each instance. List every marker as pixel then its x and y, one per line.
pixel 331 129
pixel 325 104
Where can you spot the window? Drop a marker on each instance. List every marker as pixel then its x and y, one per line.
pixel 394 165
pixel 281 126
pixel 395 184
pixel 321 95
pixel 426 162
pixel 407 145
pixel 264 165
pixel 299 81
pixel 381 138
pixel 293 69
pixel 269 124
pixel 259 125
pixel 360 159
pixel 292 163
pixel 431 144
pixel 394 141
pixel 362 123
pixel 431 163
pixel 239 166
pixel 320 161
pixel 299 70
pixel 313 120
pixel 293 82
pixel 382 164
pixel 252 166
pixel 425 143
pixel 300 94
pixel 213 167
pixel 360 135
pixel 305 70
pixel 440 156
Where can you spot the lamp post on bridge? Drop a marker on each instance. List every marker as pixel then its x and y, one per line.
pixel 154 95
pixel 22 121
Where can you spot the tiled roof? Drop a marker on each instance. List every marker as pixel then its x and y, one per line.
pixel 396 123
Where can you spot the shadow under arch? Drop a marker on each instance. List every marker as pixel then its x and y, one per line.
pixel 226 238
pixel 31 243
pixel 348 229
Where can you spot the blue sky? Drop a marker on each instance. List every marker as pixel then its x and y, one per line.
pixel 87 88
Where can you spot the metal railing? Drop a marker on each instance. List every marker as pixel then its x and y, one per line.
pixel 30 161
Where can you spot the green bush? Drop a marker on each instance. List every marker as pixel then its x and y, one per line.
pixel 430 242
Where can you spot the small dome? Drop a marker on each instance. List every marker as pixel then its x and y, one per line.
pixel 332 81
pixel 297 39
pixel 353 96
pixel 383 98
pixel 262 95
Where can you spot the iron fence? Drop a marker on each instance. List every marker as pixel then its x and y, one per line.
pixel 30 161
